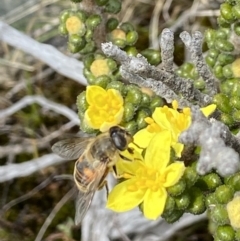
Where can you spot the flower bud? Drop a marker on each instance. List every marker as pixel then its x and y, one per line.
pixel 218 214
pixel 197 201
pixel 224 194
pixel 182 201
pixel 225 233
pixel 177 189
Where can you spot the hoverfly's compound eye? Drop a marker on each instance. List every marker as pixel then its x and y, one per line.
pixel 119 137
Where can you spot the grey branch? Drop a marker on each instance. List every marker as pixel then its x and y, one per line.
pixel 139 66
pixel 194 45
pixel 67 66
pixel 8 172
pixel 45 103
pixel 216 143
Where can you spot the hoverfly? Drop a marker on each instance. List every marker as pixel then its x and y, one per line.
pixel 96 157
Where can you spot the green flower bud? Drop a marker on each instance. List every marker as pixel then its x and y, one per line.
pixel 93 21
pixel 236 28
pixel 213 53
pixel 222 102
pixel 190 176
pixel 131 51
pixel 156 102
pixel 112 23
pixel 141 115
pixel 62 29
pixel 127 27
pixel 89 76
pixel 129 111
pixel 117 85
pixel 75 48
pixel 182 201
pixel 101 2
pixel 153 56
pixel 224 194
pixel 236 89
pixel 177 189
pixel 236 115
pixel 169 206
pixel 121 43
pixel 199 84
pixel 219 215
pixel 131 127
pixel 90 47
pixel 218 72
pixel 89 35
pixel 224 45
pixel 234 182
pixel 227 71
pixel 145 100
pixel 134 95
pixel 113 6
pixel 64 16
pixel 131 37
pixel 85 128
pixel 210 35
pixel 224 59
pixel 82 15
pixel 236 11
pixel 227 86
pixel 103 81
pixel 212 181
pixel 77 40
pixel 210 61
pixel 174 216
pixel 210 200
pixel 227 119
pixel 223 22
pixel 197 203
pixel 222 33
pixel 88 60
pixel 111 64
pixel 226 12
pixel 225 233
pixel 235 102
pixel 82 104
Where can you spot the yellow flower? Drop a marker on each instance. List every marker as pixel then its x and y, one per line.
pixel 233 209
pixel 147 179
pixel 100 67
pixel 74 25
pixel 105 108
pixel 165 118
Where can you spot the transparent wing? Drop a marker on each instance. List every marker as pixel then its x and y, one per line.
pixel 84 199
pixel 71 148
pixel 83 203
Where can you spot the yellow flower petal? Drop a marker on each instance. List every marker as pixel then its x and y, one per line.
pixel 154 203
pixel 95 95
pixel 178 148
pixel 173 173
pixel 158 152
pixel 128 167
pixel 125 196
pixel 208 110
pixel 143 137
pixel 233 209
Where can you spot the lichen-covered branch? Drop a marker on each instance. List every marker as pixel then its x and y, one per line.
pixel 216 143
pixel 139 66
pixel 194 45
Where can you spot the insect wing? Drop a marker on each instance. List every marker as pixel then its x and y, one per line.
pixel 83 203
pixel 71 148
pixel 85 198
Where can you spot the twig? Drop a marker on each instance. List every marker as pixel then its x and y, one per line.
pixel 28 100
pixel 8 172
pixel 35 190
pixel 194 45
pixel 28 147
pixel 139 66
pixel 67 66
pixel 53 213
